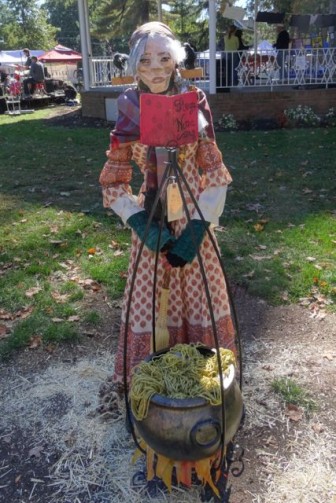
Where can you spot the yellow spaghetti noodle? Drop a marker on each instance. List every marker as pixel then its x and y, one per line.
pixel 182 372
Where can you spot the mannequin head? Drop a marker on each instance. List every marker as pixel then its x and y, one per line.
pixel 154 55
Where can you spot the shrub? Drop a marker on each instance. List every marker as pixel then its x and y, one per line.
pixel 302 115
pixel 227 122
pixel 330 117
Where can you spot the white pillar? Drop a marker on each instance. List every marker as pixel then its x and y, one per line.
pixel 85 42
pixel 212 46
pixel 255 34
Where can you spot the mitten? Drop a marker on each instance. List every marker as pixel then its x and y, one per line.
pixel 138 222
pixel 185 248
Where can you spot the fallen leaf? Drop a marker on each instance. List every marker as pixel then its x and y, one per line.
pixel 35 451
pixel 58 297
pixel 24 313
pixel 33 291
pixel 117 253
pixel 4 332
pixel 90 284
pixel 271 441
pixel 65 194
pixel 317 427
pixel 268 367
pixel 258 227
pixel 57 242
pixel 35 342
pixel 114 244
pixel 74 318
pixel 294 413
pixel 328 356
pixel 50 348
pixel 261 257
pixel 310 259
pixel 5 315
pixel 54 229
pixel 92 251
pixel 254 207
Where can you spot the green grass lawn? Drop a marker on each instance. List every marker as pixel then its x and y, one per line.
pixel 277 234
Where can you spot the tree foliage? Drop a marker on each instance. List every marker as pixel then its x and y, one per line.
pixel 24 24
pixel 292 6
pixel 63 14
pixel 187 20
pixel 115 20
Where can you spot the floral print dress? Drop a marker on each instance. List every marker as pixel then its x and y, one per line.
pixel 189 313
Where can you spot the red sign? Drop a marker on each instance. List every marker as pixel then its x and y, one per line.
pixel 168 121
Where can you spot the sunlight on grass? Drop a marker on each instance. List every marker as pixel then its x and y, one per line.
pixel 292 393
pixel 57 241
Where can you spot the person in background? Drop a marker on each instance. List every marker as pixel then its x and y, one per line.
pixel 36 75
pixel 155 55
pixel 28 60
pixel 282 46
pixel 242 46
pixel 231 46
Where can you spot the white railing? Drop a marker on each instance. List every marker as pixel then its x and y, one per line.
pixel 102 71
pixel 244 69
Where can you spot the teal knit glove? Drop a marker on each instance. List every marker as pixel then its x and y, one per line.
pixel 138 223
pixel 185 248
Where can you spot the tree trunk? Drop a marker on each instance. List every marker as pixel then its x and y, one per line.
pixel 144 12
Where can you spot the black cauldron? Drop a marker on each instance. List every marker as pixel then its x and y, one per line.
pixel 191 428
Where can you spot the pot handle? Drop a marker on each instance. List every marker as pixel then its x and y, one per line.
pixel 206 433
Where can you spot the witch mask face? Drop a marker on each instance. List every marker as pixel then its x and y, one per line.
pixel 156 64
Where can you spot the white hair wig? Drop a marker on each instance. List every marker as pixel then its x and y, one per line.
pixel 174 47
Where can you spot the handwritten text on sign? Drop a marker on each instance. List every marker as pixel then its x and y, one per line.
pixel 168 121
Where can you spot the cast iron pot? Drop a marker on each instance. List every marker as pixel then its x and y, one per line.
pixel 191 429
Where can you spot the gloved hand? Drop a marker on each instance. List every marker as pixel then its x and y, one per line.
pixel 185 248
pixel 138 223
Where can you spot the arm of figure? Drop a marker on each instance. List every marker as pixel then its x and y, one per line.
pixel 215 180
pixel 115 180
pixel 211 202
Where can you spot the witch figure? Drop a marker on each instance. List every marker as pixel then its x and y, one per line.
pixel 155 56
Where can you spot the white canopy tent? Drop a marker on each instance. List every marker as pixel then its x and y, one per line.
pixel 13 58
pixel 265 47
pixel 8 59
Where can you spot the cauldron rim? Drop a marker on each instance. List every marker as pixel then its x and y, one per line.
pixel 191 402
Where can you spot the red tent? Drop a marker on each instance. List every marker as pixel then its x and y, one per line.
pixel 60 54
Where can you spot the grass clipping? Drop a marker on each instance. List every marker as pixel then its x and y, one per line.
pixel 181 372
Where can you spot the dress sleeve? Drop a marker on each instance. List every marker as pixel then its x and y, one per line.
pixel 116 174
pixel 215 175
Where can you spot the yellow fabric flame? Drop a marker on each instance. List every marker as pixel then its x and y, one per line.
pixel 162 467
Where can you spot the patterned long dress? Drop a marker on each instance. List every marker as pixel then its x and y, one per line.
pixel 188 314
